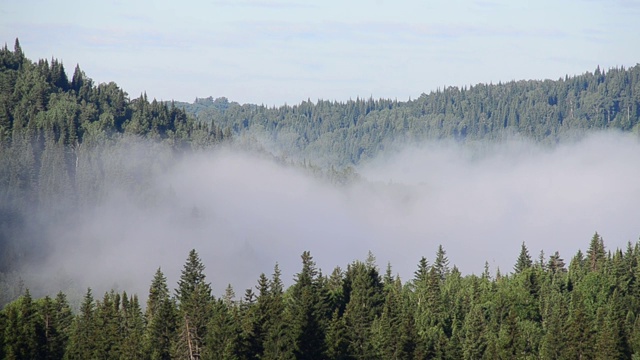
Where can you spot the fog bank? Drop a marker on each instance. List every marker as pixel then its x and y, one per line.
pixel 244 213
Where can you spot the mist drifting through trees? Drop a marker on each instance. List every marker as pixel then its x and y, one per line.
pixel 100 191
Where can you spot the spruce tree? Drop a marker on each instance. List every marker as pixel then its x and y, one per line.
pixel 336 340
pixel 308 332
pixel 475 337
pixel 278 341
pixel 596 255
pixel 223 333
pixel 109 335
pixel 132 327
pixel 441 263
pixel 161 319
pixel 84 332
pixel 194 309
pixel 524 260
pixel 365 304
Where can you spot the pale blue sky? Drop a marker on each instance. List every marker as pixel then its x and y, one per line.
pixel 277 51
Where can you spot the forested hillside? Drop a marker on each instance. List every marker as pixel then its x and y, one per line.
pixel 65 142
pixel 346 133
pixel 50 124
pixel 542 309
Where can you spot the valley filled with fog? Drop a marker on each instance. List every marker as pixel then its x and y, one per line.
pixel 244 212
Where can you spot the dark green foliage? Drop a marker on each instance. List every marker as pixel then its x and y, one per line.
pixel 346 133
pixel 540 312
pixel 365 305
pixel 132 326
pixel 160 319
pixel 25 336
pixel 441 263
pixel 64 143
pixel 278 342
pixel 224 333
pixel 194 309
pixel 524 260
pixel 475 334
pixel 83 341
pixel 596 255
pixel 107 321
pixel 306 311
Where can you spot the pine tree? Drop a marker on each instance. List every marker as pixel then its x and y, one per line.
pixel 337 343
pixel 556 264
pixel 194 308
pixel 223 333
pixel 475 338
pixel 278 343
pixel 248 348
pixel 420 275
pixel 84 332
pixel 132 327
pixel 580 329
pixel 161 319
pixel 109 335
pixel 24 334
pixel 611 339
pixel 524 260
pixel 389 334
pixel 441 263
pixel 11 335
pixel 365 304
pixel 596 255
pixel 17 51
pixel 555 318
pixel 308 332
pixel 56 320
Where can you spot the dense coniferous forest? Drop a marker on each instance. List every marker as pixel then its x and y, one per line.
pixel 543 309
pixel 346 133
pixel 65 142
pixel 63 145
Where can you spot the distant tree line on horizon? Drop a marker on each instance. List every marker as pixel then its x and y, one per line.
pixel 346 133
pixel 541 310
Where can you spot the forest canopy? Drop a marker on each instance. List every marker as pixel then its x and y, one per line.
pixel 347 133
pixel 543 308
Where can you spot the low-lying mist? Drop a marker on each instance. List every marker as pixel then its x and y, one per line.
pixel 243 213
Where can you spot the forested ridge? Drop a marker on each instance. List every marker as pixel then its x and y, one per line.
pixel 51 128
pixel 543 309
pixel 65 143
pixel 346 133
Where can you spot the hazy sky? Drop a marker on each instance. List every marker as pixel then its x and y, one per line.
pixel 277 51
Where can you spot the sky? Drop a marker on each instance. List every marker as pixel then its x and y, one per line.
pixel 274 52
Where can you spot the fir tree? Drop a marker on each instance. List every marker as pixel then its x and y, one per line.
pixel 524 260
pixel 82 342
pixel 365 304
pixel 161 319
pixel 596 255
pixel 308 332
pixel 194 307
pixel 441 263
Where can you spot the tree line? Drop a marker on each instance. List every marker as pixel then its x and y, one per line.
pixel 346 133
pixel 66 141
pixel 543 309
pixel 51 127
